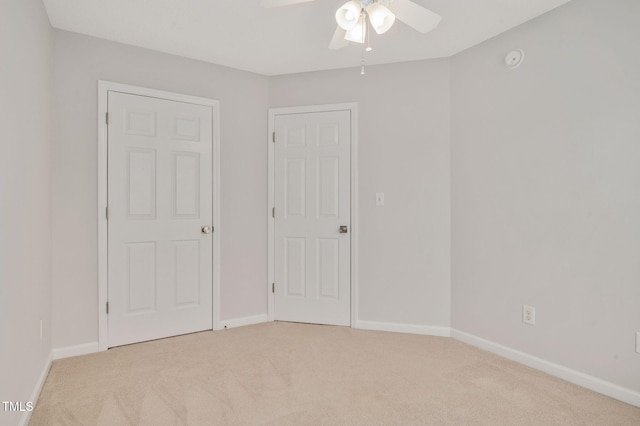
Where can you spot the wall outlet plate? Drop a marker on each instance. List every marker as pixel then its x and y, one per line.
pixel 379 199
pixel 528 315
pixel 638 342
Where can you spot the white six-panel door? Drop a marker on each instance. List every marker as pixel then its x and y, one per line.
pixel 312 203
pixel 159 198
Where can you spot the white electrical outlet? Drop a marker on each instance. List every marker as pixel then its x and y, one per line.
pixel 379 198
pixel 40 329
pixel 528 315
pixel 638 342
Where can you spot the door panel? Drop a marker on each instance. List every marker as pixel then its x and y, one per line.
pixel 140 277
pixel 186 272
pixel 329 268
pixel 160 194
pixel 185 192
pixel 141 183
pixel 312 201
pixel 328 187
pixel 295 187
pixel 295 267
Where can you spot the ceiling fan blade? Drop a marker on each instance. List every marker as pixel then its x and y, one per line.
pixel 338 41
pixel 280 3
pixel 417 17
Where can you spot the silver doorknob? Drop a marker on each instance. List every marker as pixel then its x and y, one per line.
pixel 207 229
pixel 344 229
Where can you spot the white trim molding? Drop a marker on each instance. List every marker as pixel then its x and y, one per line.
pixel 576 377
pixel 427 330
pixel 352 107
pixel 35 394
pixel 241 322
pixel 104 87
pixel 76 350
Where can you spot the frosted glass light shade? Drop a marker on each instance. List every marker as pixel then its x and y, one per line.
pixel 348 15
pixel 358 32
pixel 380 17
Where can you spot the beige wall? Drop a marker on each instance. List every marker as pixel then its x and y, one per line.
pixel 81 61
pixel 546 189
pixel 408 285
pixel 403 151
pixel 26 138
pixel 541 208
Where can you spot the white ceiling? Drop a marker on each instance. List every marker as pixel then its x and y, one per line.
pixel 243 35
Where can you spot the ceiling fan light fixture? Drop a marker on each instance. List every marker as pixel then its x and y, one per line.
pixel 380 17
pixel 348 15
pixel 358 33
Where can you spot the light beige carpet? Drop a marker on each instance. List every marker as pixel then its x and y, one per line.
pixel 298 374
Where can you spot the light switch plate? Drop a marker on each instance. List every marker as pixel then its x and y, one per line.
pixel 379 199
pixel 638 342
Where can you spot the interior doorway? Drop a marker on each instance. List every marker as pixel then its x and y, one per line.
pixel 312 219
pixel 158 248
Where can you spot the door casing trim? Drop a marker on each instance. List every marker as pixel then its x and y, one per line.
pixel 103 88
pixel 352 107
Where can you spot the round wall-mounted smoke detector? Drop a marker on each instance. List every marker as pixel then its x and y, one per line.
pixel 514 58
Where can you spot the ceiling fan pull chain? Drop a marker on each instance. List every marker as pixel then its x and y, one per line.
pixel 368 24
pixel 363 17
pixel 368 48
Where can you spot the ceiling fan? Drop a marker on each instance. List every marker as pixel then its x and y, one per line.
pixel 355 16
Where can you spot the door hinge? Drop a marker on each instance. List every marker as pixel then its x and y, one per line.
pixel 273 137
pixel 107 211
pixel 107 308
pixel 273 212
pixel 273 287
pixel 107 118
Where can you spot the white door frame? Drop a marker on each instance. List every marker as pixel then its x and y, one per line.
pixel 273 112
pixel 103 88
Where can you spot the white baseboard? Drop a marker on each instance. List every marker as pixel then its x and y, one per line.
pixel 427 330
pixel 239 322
pixel 35 394
pixel 576 377
pixel 69 351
